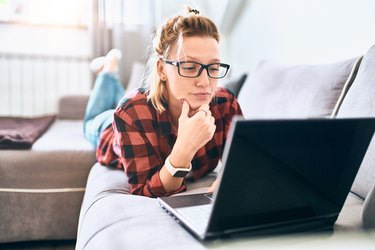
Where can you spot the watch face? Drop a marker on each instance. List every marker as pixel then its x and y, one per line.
pixel 180 173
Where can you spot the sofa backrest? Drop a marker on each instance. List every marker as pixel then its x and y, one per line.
pixel 300 91
pixel 72 107
pixel 360 102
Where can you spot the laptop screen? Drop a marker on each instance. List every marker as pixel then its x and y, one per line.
pixel 288 170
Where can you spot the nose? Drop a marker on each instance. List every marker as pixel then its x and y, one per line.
pixel 203 79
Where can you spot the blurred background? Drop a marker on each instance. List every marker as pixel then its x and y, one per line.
pixel 46 45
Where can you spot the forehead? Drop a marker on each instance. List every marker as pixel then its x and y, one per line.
pixel 196 47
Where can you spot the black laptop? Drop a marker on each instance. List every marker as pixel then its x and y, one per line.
pixel 278 176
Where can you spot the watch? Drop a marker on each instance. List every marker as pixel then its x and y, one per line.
pixel 176 172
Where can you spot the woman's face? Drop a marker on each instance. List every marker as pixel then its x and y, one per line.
pixel 197 91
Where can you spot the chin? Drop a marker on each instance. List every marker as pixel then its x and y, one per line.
pixel 196 105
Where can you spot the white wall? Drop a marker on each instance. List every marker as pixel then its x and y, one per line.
pixel 287 31
pixel 300 31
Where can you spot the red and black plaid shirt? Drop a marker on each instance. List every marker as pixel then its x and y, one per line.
pixel 141 138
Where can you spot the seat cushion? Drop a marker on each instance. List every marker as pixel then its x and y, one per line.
pixel 368 213
pixel 276 91
pixel 350 217
pixel 112 218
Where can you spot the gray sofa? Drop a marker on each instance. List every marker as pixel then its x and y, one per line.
pixel 111 218
pixel 41 189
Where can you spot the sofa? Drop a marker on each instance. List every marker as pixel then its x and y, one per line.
pixel 112 218
pixel 41 188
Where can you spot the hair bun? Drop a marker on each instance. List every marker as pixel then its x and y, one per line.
pixel 195 11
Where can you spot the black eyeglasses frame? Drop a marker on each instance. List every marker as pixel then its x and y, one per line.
pixel 203 66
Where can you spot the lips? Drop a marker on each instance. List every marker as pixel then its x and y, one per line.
pixel 201 94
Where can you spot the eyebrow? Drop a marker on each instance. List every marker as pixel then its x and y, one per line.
pixel 216 60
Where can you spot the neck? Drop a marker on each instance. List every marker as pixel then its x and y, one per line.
pixel 174 113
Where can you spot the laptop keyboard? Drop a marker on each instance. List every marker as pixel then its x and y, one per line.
pixel 197 215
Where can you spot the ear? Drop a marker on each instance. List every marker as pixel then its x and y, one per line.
pixel 160 69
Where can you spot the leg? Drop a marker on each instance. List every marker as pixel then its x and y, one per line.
pixel 106 94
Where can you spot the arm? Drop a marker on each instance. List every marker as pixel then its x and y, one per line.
pixel 142 160
pixel 194 132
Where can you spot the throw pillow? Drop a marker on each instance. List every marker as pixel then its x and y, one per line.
pixel 360 102
pixel 235 84
pixel 135 80
pixel 300 91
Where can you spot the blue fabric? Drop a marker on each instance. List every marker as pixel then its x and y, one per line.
pixel 105 96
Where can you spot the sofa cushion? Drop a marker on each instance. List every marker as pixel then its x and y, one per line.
pixel 235 84
pixel 300 91
pixel 368 213
pixel 112 218
pixel 109 210
pixel 136 76
pixel 360 102
pixel 72 107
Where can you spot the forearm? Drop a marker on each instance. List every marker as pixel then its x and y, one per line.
pixel 180 157
pixel 169 182
pixel 152 187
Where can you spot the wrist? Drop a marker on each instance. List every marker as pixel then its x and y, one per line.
pixel 179 161
pixel 176 171
pixel 180 157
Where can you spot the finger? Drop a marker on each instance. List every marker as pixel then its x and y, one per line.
pixel 201 113
pixel 213 130
pixel 212 120
pixel 208 113
pixel 185 108
pixel 205 107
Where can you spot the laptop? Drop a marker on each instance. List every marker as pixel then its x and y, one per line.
pixel 278 176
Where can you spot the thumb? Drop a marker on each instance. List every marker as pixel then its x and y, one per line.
pixel 185 108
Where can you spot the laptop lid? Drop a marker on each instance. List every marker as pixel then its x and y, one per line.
pixel 280 173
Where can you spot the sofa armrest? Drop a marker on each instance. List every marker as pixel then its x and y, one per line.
pixel 72 107
pixel 368 212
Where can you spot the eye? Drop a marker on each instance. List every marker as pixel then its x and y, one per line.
pixel 214 67
pixel 190 66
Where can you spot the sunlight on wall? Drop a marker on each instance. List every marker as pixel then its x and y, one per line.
pixel 67 12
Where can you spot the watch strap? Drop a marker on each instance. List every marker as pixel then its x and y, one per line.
pixel 176 172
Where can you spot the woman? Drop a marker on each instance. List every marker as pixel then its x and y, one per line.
pixel 178 124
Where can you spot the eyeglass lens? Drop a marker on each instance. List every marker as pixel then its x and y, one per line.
pixel 191 69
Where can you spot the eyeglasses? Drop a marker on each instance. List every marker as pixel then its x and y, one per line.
pixel 194 69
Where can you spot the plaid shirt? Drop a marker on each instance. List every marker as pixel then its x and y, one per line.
pixel 141 138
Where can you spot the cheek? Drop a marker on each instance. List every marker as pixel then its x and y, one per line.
pixel 213 83
pixel 178 87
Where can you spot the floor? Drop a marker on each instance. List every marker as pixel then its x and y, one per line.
pixel 40 245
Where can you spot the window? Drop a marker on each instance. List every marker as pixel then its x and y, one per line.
pixel 45 12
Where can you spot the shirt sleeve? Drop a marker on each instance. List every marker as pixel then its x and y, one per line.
pixel 139 156
pixel 233 110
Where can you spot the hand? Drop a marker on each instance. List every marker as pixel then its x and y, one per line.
pixel 213 187
pixel 193 133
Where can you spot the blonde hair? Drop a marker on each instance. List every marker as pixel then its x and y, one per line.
pixel 169 34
